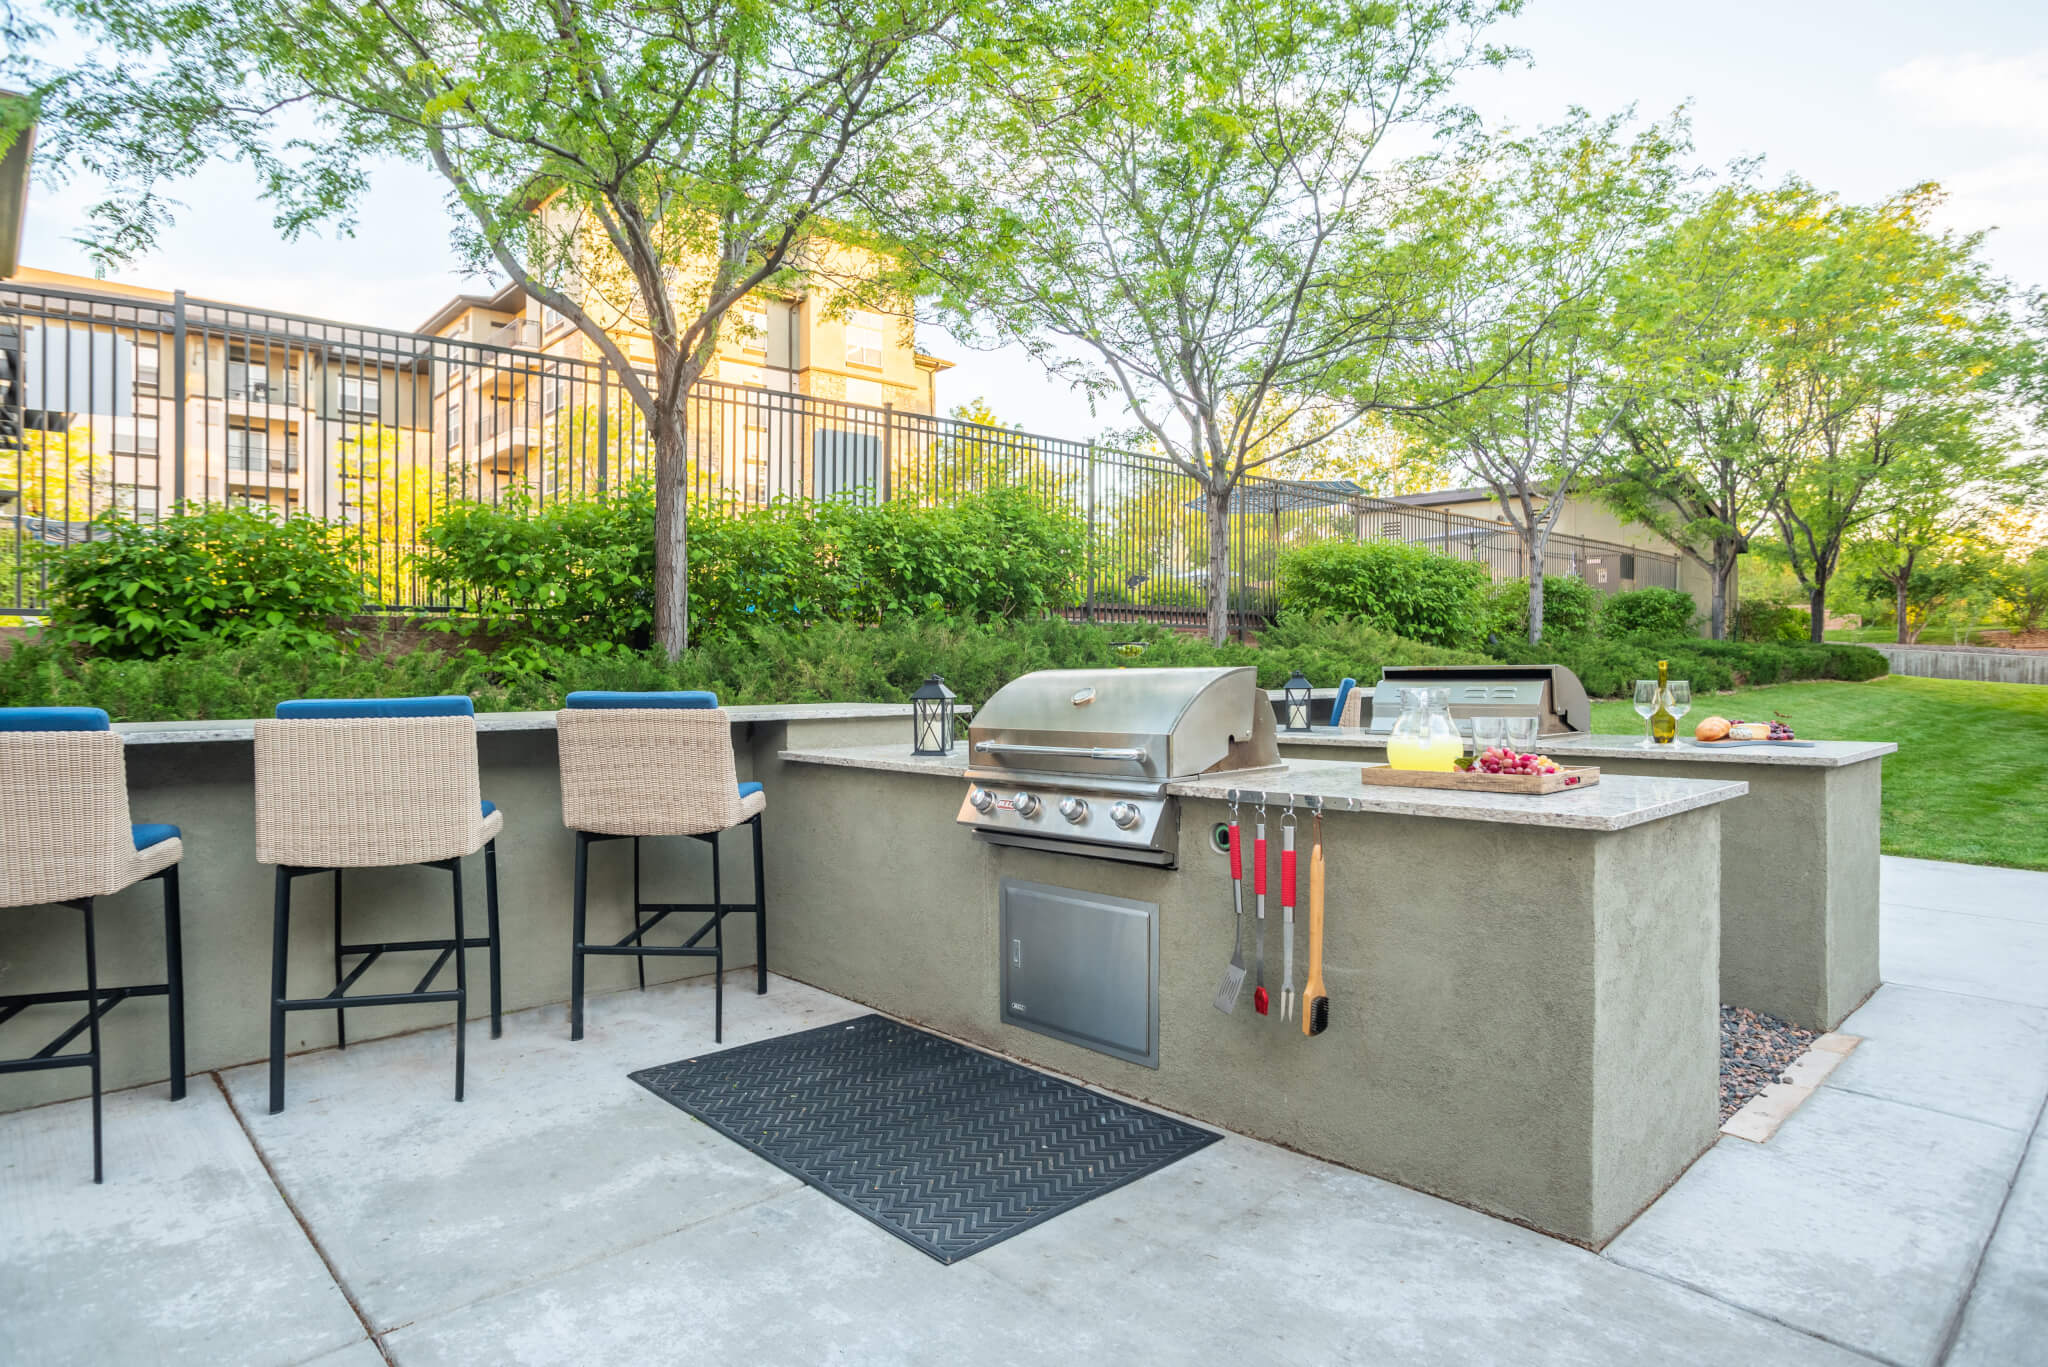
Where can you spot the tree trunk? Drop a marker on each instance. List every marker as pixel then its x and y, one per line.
pixel 1724 570
pixel 1219 566
pixel 671 536
pixel 1535 558
pixel 1817 600
pixel 1899 607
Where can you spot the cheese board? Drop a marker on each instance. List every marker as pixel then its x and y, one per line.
pixel 1533 785
pixel 1731 744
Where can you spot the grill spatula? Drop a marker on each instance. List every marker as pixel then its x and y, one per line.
pixel 1233 976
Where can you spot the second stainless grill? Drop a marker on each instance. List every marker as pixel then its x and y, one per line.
pixel 1077 760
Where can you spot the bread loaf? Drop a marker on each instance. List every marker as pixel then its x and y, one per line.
pixel 1713 728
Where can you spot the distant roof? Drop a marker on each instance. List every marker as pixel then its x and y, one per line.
pixel 512 296
pixel 1437 498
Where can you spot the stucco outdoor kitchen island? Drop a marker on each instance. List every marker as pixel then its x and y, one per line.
pixel 1523 989
pixel 1799 857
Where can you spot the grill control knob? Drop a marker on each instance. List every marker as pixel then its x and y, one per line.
pixel 981 799
pixel 1125 815
pixel 1074 809
pixel 1026 804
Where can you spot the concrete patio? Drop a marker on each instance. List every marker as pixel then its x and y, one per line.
pixel 563 1214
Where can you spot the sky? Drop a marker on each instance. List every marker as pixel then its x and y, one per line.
pixel 1863 99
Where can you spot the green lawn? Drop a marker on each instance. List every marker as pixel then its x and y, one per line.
pixel 1970 780
pixel 1933 636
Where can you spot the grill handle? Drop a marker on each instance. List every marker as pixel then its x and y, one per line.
pixel 1002 747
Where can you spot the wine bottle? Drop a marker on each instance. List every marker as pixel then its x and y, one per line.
pixel 1663 725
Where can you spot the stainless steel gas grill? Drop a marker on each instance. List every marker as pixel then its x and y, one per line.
pixel 1551 693
pixel 1077 760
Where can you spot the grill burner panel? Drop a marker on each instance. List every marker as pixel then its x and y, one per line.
pixel 1077 761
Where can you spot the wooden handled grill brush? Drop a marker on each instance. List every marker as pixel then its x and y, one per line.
pixel 1315 998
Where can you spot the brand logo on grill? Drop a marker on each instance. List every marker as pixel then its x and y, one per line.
pixel 1083 697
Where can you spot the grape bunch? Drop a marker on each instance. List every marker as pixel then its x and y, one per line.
pixel 1503 760
pixel 1779 730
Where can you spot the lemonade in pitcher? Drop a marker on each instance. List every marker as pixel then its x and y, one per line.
pixel 1425 737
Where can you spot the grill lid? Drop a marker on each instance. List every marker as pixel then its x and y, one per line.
pixel 1132 723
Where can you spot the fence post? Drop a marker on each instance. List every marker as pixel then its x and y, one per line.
pixel 604 406
pixel 888 444
pixel 1088 610
pixel 177 398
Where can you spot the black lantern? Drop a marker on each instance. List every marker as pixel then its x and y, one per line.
pixel 931 720
pixel 1294 709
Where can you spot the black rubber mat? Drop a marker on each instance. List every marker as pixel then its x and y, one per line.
pixel 949 1149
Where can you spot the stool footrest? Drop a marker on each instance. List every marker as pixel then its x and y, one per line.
pixel 41 1062
pixel 672 951
pixel 367 999
pixel 406 946
pixel 107 999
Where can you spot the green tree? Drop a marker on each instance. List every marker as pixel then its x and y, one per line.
pixel 1898 341
pixel 1530 395
pixel 614 158
pixel 1192 206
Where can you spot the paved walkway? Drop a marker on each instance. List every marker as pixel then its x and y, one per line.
pixel 563 1215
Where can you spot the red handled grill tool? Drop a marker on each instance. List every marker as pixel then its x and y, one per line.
pixel 1260 1003
pixel 1287 916
pixel 1233 976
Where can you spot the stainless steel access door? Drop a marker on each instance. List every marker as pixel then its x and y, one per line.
pixel 1082 967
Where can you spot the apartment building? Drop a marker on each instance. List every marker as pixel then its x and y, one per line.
pixel 276 410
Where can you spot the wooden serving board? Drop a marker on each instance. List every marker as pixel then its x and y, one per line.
pixel 1387 776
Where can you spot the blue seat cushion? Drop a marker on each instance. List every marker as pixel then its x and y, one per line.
pixel 52 719
pixel 333 709
pixel 1344 687
pixel 154 833
pixel 690 698
pixel 489 806
pixel 748 789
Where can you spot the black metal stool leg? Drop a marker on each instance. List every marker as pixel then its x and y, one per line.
pixel 280 933
pixel 92 1007
pixel 576 938
pixel 639 960
pixel 717 963
pixel 760 915
pixel 174 979
pixel 461 982
pixel 491 920
pixel 340 1013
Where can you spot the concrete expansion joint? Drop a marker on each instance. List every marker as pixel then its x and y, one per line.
pixel 305 1228
pixel 1953 1328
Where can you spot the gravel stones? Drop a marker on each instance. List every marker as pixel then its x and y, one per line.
pixel 1755 1052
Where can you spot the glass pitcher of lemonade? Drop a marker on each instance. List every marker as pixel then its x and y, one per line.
pixel 1425 737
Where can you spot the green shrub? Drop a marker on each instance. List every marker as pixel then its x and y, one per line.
pixel 142 589
pixel 1648 612
pixel 1569 607
pixel 825 661
pixel 1609 668
pixel 1395 587
pixel 579 574
pixel 1771 622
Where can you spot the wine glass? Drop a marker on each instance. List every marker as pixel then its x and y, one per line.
pixel 1678 698
pixel 1646 703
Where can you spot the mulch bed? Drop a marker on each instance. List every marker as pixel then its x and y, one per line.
pixel 1755 1052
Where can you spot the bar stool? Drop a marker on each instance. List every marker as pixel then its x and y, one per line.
pixel 1342 702
pixel 652 764
pixel 65 840
pixel 373 783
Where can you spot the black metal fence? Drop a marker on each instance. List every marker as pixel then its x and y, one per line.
pixel 113 402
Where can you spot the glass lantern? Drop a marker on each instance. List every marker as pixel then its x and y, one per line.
pixel 1294 708
pixel 931 718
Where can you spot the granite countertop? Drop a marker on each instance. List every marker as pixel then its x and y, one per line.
pixel 1614 804
pixel 1825 754
pixel 891 758
pixel 244 729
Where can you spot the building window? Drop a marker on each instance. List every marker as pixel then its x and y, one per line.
pixel 551 393
pixel 757 408
pixel 253 382
pixel 139 501
pixel 248 449
pixel 551 321
pixel 358 394
pixel 136 438
pixel 864 341
pixel 454 428
pixel 753 329
pixel 147 360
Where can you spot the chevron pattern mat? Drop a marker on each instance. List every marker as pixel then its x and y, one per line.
pixel 949 1149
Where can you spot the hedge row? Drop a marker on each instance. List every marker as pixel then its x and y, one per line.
pixel 1609 669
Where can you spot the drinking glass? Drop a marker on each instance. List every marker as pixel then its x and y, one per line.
pixel 1522 733
pixel 1646 703
pixel 1679 700
pixel 1488 733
